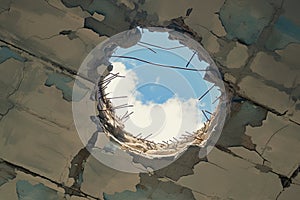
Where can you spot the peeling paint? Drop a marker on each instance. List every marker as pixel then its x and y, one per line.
pixel 25 191
pixel 245 20
pixel 6 53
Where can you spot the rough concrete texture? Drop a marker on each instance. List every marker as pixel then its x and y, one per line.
pixel 256 46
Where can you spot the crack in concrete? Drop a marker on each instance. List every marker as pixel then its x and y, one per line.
pixel 8 110
pixel 273 84
pixel 285 181
pixel 254 48
pixel 41 38
pixel 284 46
pixel 64 32
pixel 226 150
pixel 295 173
pixel 259 44
pixel 8 8
pixel 235 90
pixel 49 62
pixel 7 173
pixel 278 195
pixel 288 181
pixel 13 92
pixel 28 111
pixel 267 29
pixel 211 32
pixel 47 1
pixel 76 36
pixel 73 72
pixel 263 168
pixel 42 58
pixel 268 141
pixel 294 122
pixel 20 82
pixel 216 165
pixel 78 164
pixel 5 10
pixel 179 25
pixel 60 185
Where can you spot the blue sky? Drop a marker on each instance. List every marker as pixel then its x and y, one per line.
pixel 166 83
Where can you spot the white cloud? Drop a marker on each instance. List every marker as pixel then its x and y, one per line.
pixel 163 121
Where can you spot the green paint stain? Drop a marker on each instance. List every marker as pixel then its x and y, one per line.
pixel 64 84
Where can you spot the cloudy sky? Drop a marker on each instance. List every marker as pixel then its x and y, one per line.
pixel 165 101
pixel 163 116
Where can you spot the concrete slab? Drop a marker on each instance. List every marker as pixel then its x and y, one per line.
pixel 266 95
pixel 246 154
pixel 237 57
pixel 38 144
pixel 280 73
pixel 11 74
pixel 98 178
pixel 231 178
pixel 278 141
pixel 38 26
pixel 292 192
pixel 245 20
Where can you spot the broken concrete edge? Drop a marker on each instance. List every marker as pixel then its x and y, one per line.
pixel 285 181
pixel 106 114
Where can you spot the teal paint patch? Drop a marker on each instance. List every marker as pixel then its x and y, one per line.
pixel 64 84
pixel 61 83
pixel 245 20
pixel 284 32
pixel 27 191
pixel 163 191
pixel 242 114
pixel 141 193
pixel 286 26
pixel 115 16
pixel 6 53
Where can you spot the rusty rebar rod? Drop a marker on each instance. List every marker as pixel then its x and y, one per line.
pixel 206 92
pixel 209 112
pixel 147 47
pixel 216 100
pixel 205 115
pixel 170 48
pixel 122 106
pixel 187 64
pixel 161 65
pixel 147 136
pixel 120 97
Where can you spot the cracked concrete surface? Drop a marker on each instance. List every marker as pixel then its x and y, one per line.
pixel 231 178
pixel 279 143
pixel 255 45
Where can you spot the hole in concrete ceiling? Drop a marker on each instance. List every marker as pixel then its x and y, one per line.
pixel 157 93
